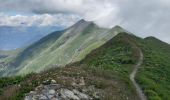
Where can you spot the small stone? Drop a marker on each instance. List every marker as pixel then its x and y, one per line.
pixel 82 82
pixel 50 96
pixel 68 94
pixel 73 84
pixel 28 98
pixel 19 85
pixel 81 95
pixel 51 91
pixel 32 92
pixel 53 81
pixel 96 95
pixel 43 97
pixel 54 99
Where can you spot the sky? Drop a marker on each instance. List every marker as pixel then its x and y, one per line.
pixel 143 18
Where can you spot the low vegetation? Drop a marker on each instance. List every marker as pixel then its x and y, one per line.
pixel 106 68
pixel 154 76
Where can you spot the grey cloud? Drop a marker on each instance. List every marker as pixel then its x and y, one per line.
pixel 147 18
pixel 144 18
pixel 38 20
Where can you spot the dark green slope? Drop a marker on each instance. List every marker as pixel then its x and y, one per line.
pixel 115 53
pixel 154 75
pixel 118 55
pixel 115 60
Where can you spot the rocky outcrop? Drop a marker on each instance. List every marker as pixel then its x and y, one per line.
pixel 56 92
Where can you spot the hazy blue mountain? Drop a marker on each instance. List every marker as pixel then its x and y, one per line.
pixel 17 37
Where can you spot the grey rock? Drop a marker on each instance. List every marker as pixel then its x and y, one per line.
pixel 50 96
pixel 28 98
pixel 54 99
pixel 82 82
pixel 68 94
pixel 81 95
pixel 43 97
pixel 53 81
pixel 51 91
pixel 56 92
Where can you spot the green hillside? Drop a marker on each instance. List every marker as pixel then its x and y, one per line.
pixel 154 76
pixel 61 48
pixel 107 68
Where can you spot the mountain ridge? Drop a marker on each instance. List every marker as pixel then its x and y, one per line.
pixel 107 68
pixel 63 47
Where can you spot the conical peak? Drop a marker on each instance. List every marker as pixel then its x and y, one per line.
pixel 82 21
pixel 118 27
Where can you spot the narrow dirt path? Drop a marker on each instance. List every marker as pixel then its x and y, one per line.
pixel 133 75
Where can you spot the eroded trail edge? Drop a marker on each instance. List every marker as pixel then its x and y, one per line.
pixel 133 75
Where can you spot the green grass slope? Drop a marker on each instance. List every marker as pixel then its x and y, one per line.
pixel 117 58
pixel 113 60
pixel 6 54
pixel 61 48
pixel 154 76
pixel 107 68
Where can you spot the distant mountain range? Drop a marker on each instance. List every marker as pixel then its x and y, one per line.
pixel 19 37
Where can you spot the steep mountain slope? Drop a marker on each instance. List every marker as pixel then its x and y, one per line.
pixel 107 68
pixel 60 48
pixel 105 73
pixel 154 77
pixel 9 53
pixel 6 57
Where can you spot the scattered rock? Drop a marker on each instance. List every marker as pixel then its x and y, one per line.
pixel 81 95
pixel 53 81
pixel 32 92
pixel 51 91
pixel 43 97
pixel 56 92
pixel 50 96
pixel 67 94
pixel 28 98
pixel 96 96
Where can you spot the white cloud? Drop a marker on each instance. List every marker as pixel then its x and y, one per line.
pixel 38 20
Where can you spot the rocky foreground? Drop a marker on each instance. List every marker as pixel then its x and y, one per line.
pixel 55 91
